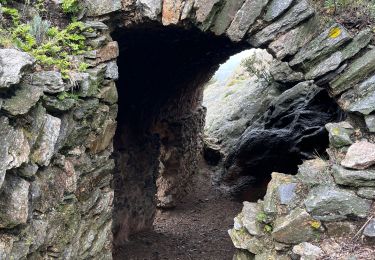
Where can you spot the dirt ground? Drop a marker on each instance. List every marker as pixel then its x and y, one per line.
pixel 195 229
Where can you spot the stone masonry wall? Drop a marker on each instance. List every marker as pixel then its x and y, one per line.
pixel 55 166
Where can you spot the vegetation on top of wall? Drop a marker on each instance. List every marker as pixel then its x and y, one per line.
pixel 53 47
pixel 354 14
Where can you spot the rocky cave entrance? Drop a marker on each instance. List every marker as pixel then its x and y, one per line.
pixel 161 121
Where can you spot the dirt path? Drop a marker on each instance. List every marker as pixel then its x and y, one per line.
pixel 196 229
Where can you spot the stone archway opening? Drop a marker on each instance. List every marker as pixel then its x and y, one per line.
pixel 161 118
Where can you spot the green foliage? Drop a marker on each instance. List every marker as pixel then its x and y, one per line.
pixel 70 6
pixel 261 217
pixel 257 68
pixel 11 13
pixel 39 28
pixel 268 228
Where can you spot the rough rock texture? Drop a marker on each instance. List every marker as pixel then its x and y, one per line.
pixel 55 166
pixel 360 155
pixel 282 135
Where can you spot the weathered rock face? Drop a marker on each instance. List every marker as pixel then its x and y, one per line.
pixel 55 166
pixel 291 129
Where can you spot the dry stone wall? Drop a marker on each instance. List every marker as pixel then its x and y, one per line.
pixel 55 166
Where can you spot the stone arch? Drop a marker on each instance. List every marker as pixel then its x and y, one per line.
pixel 308 51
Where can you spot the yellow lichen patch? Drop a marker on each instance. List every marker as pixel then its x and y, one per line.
pixel 334 32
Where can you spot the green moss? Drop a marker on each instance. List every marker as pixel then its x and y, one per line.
pixel 65 95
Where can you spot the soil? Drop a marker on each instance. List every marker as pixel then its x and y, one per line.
pixel 196 229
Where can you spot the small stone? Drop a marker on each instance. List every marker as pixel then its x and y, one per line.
pixel 54 104
pixel 109 94
pixel 150 8
pixel 339 134
pixel 294 227
pixel 109 52
pixel 171 12
pixel 25 97
pixel 250 212
pixel 281 72
pixel 370 123
pixel 322 45
pixel 355 73
pixel 295 15
pixel 102 7
pixel 308 251
pixel 360 155
pixel 354 178
pixel 289 43
pixel 13 64
pixel 97 42
pixel 50 81
pixel 244 18
pixel 366 192
pixel 330 203
pixel 112 71
pixel 276 8
pixel 97 25
pixel 369 230
pixel 45 146
pixel 243 240
pixel 14 207
pixel 270 199
pixel 314 172
pixel 28 170
pixel 105 138
pixel 225 16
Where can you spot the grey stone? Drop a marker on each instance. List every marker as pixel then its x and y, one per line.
pixel 281 72
pixel 244 18
pixel 369 230
pixel 271 198
pixel 50 81
pixel 327 42
pixel 54 104
pixel 295 15
pixel 13 64
pixel 361 98
pixel 204 9
pixel 112 71
pixel 355 178
pixel 366 192
pixel 46 141
pixel 98 42
pixel 14 148
pixel 250 212
pixel 355 72
pixel 6 245
pixel 150 8
pixel 289 43
pixel 243 255
pixel 294 228
pixel 109 94
pixel 370 123
pixel 330 203
pixel 14 208
pixel 87 86
pixel 339 134
pixel 287 192
pixel 243 240
pixel 333 62
pixel 25 97
pixel 314 172
pixel 360 155
pixel 308 251
pixel 97 25
pixel 225 16
pixel 342 228
pixel 276 8
pixel 186 11
pixel 102 7
pixel 28 170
